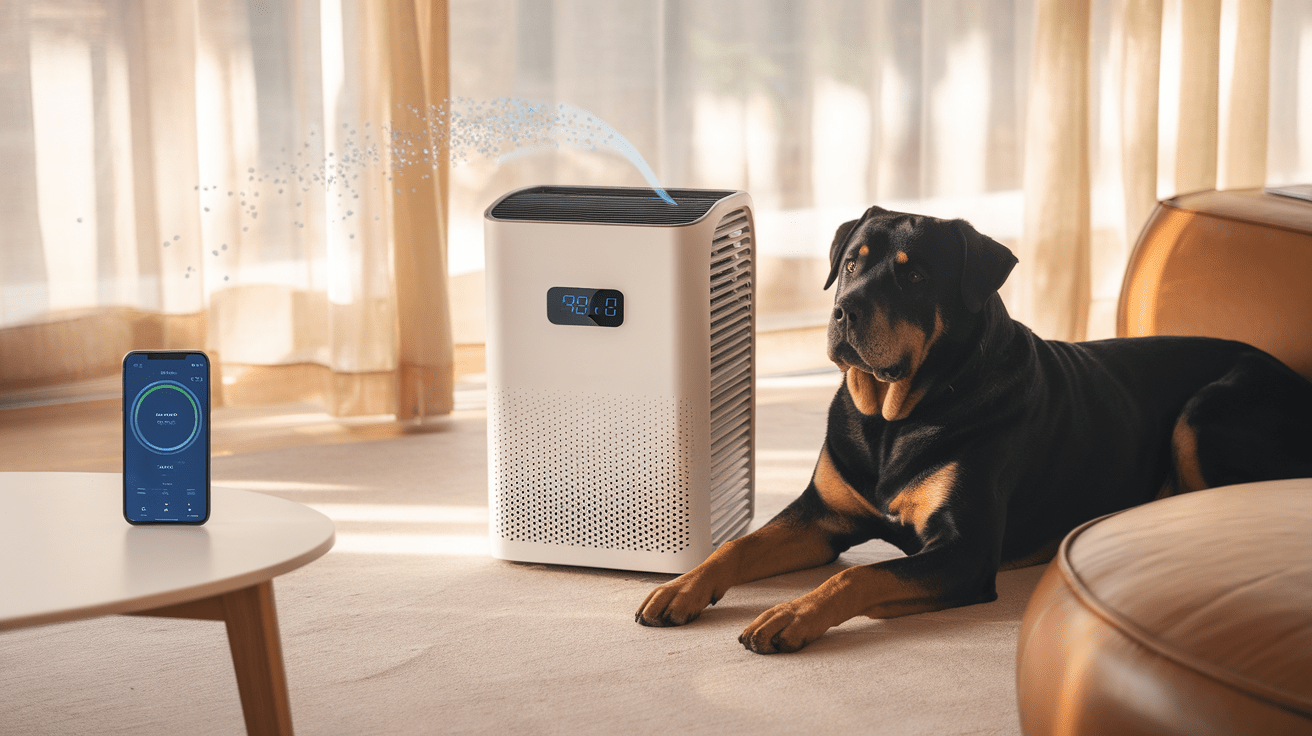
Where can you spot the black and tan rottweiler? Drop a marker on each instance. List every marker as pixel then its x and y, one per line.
pixel 972 445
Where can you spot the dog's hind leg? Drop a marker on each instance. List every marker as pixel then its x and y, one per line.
pixel 1187 475
pixel 1253 424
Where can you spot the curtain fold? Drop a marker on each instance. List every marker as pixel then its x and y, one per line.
pixel 1140 60
pixel 269 180
pixel 1189 112
pixel 426 359
pixel 1193 137
pixel 1054 248
pixel 1245 75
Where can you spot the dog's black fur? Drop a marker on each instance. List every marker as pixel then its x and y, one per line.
pixel 973 445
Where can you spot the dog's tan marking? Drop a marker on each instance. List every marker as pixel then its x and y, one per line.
pixel 918 502
pixel 838 494
pixel 878 593
pixel 868 590
pixel 864 250
pixel 897 400
pixel 901 257
pixel 774 549
pixel 865 390
pixel 1184 448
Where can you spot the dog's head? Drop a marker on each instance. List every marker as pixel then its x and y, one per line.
pixel 903 282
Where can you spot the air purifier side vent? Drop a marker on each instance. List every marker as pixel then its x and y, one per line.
pixel 591 470
pixel 732 371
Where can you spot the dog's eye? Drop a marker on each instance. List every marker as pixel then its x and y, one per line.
pixel 915 277
pixel 851 266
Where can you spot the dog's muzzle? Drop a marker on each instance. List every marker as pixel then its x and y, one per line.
pixel 845 354
pixel 840 348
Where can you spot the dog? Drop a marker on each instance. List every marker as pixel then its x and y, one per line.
pixel 973 445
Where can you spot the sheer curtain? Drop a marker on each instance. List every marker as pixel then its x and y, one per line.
pixel 1052 125
pixel 221 175
pixel 818 109
pixel 1166 98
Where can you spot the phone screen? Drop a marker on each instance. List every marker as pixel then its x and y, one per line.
pixel 166 437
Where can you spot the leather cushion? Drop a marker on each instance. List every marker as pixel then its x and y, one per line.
pixel 1189 615
pixel 1235 265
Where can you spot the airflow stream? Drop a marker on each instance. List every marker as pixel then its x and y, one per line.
pixel 621 375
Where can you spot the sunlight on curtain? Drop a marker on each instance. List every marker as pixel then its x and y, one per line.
pixel 63 145
pixel 220 175
pixel 818 109
pixel 822 108
pixel 1289 143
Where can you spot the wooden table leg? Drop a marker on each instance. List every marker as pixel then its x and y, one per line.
pixel 252 622
pixel 257 657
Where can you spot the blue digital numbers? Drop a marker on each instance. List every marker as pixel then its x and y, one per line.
pixel 588 307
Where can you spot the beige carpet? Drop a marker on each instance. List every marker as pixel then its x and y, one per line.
pixel 407 627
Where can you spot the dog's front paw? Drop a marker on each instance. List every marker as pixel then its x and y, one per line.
pixel 785 628
pixel 677 602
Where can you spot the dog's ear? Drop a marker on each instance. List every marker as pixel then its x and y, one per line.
pixel 837 247
pixel 841 237
pixel 985 266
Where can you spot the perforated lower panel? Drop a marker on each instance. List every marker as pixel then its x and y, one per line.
pixel 591 470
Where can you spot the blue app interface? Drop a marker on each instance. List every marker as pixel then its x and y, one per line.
pixel 166 437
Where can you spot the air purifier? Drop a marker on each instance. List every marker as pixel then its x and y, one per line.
pixel 620 375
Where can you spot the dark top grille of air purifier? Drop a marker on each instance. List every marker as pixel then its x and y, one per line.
pixel 614 205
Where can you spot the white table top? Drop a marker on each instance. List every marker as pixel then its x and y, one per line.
pixel 66 552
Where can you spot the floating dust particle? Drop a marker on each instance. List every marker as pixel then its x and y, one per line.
pixel 459 130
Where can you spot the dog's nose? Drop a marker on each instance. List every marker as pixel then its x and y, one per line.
pixel 838 314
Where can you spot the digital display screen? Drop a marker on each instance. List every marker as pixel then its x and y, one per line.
pixel 166 448
pixel 592 307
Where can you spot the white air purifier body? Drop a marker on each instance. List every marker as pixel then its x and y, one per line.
pixel 620 375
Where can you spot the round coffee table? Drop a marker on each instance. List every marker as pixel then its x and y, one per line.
pixel 66 553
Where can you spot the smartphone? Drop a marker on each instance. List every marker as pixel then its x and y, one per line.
pixel 166 437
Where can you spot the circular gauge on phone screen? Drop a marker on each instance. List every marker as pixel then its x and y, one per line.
pixel 166 417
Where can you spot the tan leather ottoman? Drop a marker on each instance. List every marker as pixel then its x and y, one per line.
pixel 1235 265
pixel 1191 615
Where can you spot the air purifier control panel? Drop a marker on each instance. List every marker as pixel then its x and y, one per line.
pixel 590 307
